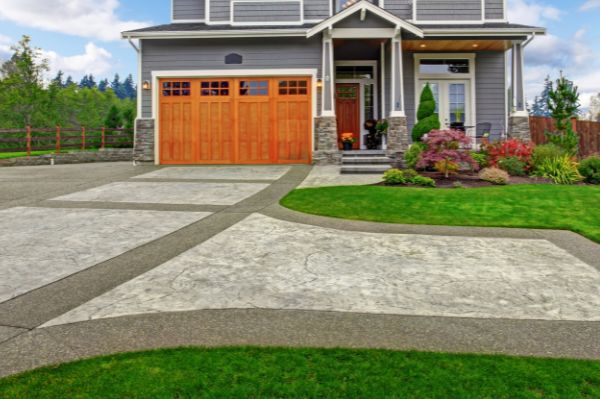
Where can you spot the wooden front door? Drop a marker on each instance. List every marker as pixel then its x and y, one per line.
pixel 347 108
pixel 235 120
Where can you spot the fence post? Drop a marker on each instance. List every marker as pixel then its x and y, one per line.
pixel 103 138
pixel 574 124
pixel 57 139
pixel 28 140
pixel 83 138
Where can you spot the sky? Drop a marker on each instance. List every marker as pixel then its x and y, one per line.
pixel 83 36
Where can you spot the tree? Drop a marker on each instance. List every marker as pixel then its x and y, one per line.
pixel 540 104
pixel 58 80
pixel 84 83
pixel 594 111
pixel 129 88
pixel 113 119
pixel 21 89
pixel 563 103
pixel 103 85
pixel 91 81
pixel 69 81
pixel 428 120
pixel 117 87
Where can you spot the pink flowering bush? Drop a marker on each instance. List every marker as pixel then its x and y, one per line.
pixel 446 151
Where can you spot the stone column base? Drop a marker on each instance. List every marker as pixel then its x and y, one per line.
pixel 143 143
pixel 518 128
pixel 398 139
pixel 327 151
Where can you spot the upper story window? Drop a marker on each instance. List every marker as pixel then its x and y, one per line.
pixel 343 4
pixel 443 67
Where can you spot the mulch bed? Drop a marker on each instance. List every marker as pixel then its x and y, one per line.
pixel 470 180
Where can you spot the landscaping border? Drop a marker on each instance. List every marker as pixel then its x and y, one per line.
pixel 102 155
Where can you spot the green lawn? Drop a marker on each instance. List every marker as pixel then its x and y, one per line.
pixel 575 208
pixel 308 373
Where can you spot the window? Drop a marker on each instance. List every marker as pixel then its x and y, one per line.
pixel 349 92
pixel 176 89
pixel 214 88
pixel 354 72
pixel 293 87
pixel 343 4
pixel 440 66
pixel 457 102
pixel 254 88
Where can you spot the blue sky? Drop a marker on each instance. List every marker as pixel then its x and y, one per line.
pixel 82 36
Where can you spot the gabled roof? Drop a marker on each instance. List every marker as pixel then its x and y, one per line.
pixel 364 6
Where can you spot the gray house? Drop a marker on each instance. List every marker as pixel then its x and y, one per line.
pixel 264 81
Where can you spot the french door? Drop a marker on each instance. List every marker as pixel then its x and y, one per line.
pixel 453 102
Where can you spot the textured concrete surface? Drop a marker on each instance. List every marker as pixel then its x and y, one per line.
pixel 7 333
pixel 329 175
pixel 46 245
pixel 267 263
pixel 219 173
pixel 169 193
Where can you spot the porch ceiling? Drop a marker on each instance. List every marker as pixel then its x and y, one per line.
pixel 456 45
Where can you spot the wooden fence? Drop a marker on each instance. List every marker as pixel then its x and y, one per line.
pixel 589 133
pixel 60 139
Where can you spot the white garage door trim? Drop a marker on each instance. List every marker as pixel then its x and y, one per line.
pixel 226 73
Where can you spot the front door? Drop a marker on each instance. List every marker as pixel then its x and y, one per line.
pixel 452 102
pixel 347 108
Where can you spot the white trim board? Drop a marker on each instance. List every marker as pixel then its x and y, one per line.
pixel 225 73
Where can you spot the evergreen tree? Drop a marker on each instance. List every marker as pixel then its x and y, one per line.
pixel 91 81
pixel 563 102
pixel 69 82
pixel 84 83
pixel 540 105
pixel 129 88
pixel 103 85
pixel 113 119
pixel 58 80
pixel 428 120
pixel 117 87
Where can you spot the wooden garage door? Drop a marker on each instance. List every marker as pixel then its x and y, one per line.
pixel 235 121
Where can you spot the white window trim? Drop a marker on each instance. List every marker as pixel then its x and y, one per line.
pixel 233 3
pixel 480 21
pixel 226 73
pixel 470 77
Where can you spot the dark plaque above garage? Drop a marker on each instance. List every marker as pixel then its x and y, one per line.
pixel 233 59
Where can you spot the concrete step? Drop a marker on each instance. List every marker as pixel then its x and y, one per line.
pixel 364 169
pixel 366 160
pixel 364 153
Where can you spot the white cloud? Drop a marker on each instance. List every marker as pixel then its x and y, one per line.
pixel 5 43
pixel 95 60
pixel 531 12
pixel 86 18
pixel 589 4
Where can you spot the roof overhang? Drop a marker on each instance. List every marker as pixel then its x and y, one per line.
pixel 363 7
pixel 481 32
pixel 215 34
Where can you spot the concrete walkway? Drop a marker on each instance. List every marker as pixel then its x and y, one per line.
pixel 129 258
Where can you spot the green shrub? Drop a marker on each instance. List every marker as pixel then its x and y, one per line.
pixel 568 141
pixel 590 169
pixel 561 170
pixel 494 176
pixel 394 177
pixel 428 120
pixel 513 165
pixel 413 155
pixel 423 181
pixel 545 151
pixel 481 158
pixel 410 174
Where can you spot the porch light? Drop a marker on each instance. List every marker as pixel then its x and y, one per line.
pixel 319 83
pixel 475 45
pixel 146 85
pixel 423 45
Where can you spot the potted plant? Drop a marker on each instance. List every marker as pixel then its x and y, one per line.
pixel 458 123
pixel 348 141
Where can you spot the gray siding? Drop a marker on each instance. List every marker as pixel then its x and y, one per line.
pixel 494 9
pixel 371 21
pixel 409 90
pixel 266 11
pixel 195 54
pixel 444 10
pixel 400 8
pixel 490 90
pixel 220 10
pixel 188 9
pixel 316 9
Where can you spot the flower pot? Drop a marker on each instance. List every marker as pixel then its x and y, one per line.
pixel 347 145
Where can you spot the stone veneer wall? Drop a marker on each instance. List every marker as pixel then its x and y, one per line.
pixel 518 128
pixel 398 139
pixel 104 155
pixel 143 148
pixel 327 150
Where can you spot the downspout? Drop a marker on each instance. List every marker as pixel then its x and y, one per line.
pixel 529 40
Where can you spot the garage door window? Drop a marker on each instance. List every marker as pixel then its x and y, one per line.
pixel 254 88
pixel 293 87
pixel 214 88
pixel 176 89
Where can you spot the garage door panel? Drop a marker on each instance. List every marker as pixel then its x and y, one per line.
pixel 241 121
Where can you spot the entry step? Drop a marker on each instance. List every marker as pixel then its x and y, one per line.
pixel 375 160
pixel 364 169
pixel 363 153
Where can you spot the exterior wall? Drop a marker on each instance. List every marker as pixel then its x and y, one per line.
pixel 316 9
pixel 409 90
pixel 209 54
pixel 371 21
pixel 188 9
pixel 400 8
pixel 494 9
pixel 267 11
pixel 490 89
pixel 439 10
pixel 220 10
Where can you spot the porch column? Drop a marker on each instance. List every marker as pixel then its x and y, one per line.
pixel 398 138
pixel 519 117
pixel 326 137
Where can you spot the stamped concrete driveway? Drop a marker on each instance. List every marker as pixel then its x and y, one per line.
pixel 110 257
